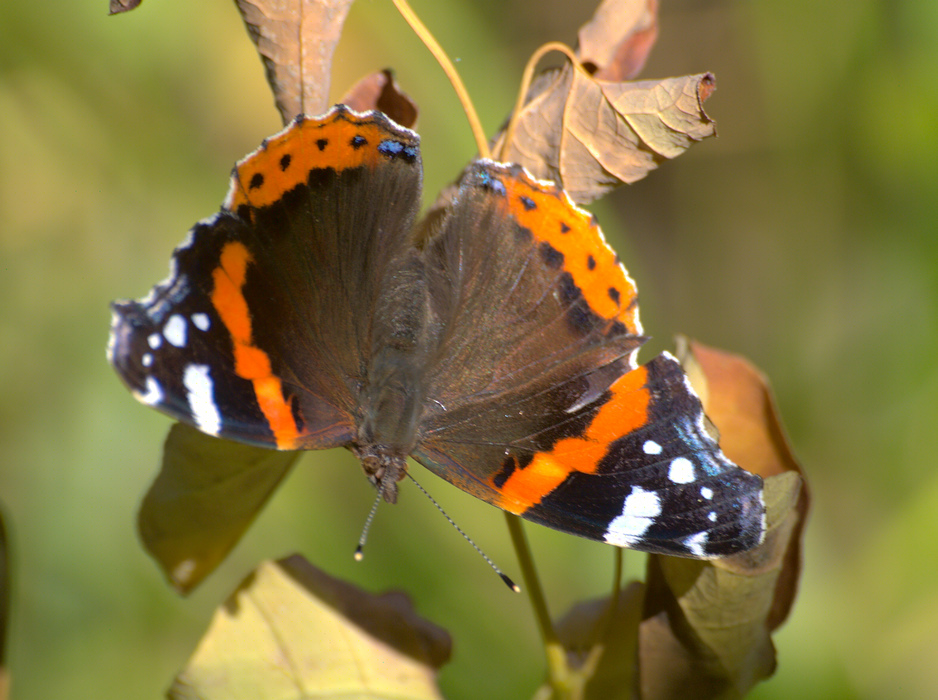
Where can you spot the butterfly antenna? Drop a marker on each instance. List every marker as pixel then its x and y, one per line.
pixel 359 550
pixel 508 582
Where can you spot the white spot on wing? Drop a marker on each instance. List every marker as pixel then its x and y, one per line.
pixel 695 543
pixel 147 359
pixel 706 492
pixel 154 392
pixel 712 516
pixel 681 471
pixel 175 331
pixel 201 321
pixel 199 384
pixel 154 340
pixel 639 511
pixel 651 448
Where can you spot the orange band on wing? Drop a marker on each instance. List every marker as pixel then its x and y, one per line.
pixel 338 142
pixel 625 411
pixel 554 219
pixel 251 362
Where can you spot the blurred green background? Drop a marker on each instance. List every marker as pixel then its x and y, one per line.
pixel 804 237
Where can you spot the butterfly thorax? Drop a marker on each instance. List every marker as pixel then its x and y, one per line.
pixel 393 394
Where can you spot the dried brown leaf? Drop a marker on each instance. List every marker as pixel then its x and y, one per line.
pixel 291 631
pixel 381 92
pixel 590 135
pixel 615 43
pixel 296 40
pixel 739 401
pixel 207 493
pixel 705 633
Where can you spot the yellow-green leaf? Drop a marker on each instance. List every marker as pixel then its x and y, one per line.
pixel 291 631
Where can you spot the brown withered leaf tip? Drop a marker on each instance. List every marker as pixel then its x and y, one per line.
pixel 590 136
pixel 615 43
pixel 738 399
pixel 381 92
pixel 119 6
pixel 296 40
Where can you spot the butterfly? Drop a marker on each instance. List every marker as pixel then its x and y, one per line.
pixel 498 348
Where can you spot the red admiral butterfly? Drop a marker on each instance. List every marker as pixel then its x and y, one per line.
pixel 499 351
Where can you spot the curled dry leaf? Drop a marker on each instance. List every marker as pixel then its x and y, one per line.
pixel 380 91
pixel 739 401
pixel 707 625
pixel 589 130
pixel 207 493
pixel 291 631
pixel 296 40
pixel 616 41
pixel 592 135
pixel 705 632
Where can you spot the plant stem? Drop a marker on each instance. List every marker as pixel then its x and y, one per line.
pixel 526 79
pixel 439 54
pixel 558 672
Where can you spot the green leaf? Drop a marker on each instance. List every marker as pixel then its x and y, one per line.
pixel 291 631
pixel 205 496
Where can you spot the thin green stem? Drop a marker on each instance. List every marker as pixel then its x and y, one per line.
pixel 449 69
pixel 558 672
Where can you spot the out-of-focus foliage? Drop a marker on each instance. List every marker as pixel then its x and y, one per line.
pixel 802 238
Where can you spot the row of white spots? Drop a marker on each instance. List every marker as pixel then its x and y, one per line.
pixel 639 511
pixel 196 379
pixel 681 470
pixel 175 330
